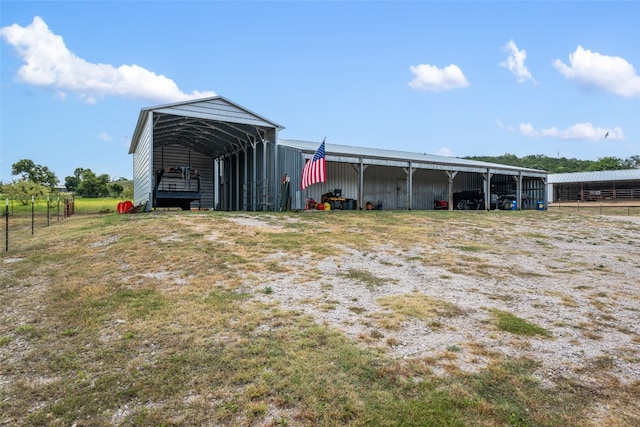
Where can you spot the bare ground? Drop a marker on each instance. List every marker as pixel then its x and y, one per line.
pixel 578 280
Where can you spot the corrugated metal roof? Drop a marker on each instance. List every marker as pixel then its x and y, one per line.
pixel 337 152
pixel 600 176
pixel 212 126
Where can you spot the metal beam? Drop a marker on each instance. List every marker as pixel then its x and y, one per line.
pixel 451 175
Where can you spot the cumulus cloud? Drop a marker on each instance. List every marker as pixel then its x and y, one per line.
pixel 434 79
pixel 515 62
pixel 48 63
pixel 586 131
pixel 104 136
pixel 609 73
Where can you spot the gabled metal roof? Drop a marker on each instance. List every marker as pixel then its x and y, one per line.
pixel 599 176
pixel 351 154
pixel 212 126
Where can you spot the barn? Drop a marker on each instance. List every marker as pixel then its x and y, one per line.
pixel 610 186
pixel 215 154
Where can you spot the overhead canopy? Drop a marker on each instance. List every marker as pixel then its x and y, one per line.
pixel 212 126
pixel 598 176
pixel 376 156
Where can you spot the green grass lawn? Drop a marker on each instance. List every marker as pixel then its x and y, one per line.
pixel 82 205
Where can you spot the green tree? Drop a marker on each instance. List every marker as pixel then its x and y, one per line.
pixel 34 173
pixel 607 164
pixel 632 162
pixel 115 189
pixel 91 185
pixel 561 164
pixel 72 182
pixel 23 190
pixel 127 193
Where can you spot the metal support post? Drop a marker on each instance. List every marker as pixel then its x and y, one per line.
pixel 6 234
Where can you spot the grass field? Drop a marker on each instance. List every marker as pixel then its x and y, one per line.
pixel 82 205
pixel 165 319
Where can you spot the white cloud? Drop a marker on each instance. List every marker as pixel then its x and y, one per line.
pixel 104 136
pixel 578 131
pixel 48 63
pixel 515 62
pixel 527 129
pixel 444 151
pixel 610 73
pixel 434 79
pixel 503 126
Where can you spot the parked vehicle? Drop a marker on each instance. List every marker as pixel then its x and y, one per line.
pixel 474 200
pixel 440 204
pixel 505 201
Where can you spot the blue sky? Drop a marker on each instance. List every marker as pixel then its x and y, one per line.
pixel 451 78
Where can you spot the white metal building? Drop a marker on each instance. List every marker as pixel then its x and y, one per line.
pixel 215 154
pixel 594 186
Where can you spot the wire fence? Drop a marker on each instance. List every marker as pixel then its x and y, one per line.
pixel 20 221
pixel 610 209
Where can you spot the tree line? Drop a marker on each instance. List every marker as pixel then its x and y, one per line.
pixel 37 181
pixel 561 164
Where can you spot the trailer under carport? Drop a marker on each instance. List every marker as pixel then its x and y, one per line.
pixel 228 145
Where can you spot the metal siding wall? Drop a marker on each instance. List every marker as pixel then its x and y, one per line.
pixel 535 188
pixel 429 185
pixel 142 181
pixel 386 185
pixel 204 164
pixel 339 176
pixel 291 162
pixel 468 181
pixel 177 155
pixel 271 177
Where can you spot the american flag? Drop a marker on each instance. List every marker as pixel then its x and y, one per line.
pixel 315 170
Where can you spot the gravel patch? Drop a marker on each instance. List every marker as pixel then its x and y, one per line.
pixel 581 285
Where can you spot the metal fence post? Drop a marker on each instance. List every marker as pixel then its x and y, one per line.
pixel 6 234
pixel 47 210
pixel 33 213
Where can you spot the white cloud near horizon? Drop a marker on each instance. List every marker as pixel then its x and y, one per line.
pixel 609 73
pixel 434 79
pixel 49 63
pixel 584 130
pixel 515 62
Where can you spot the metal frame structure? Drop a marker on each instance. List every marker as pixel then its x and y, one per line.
pixel 362 158
pixel 242 160
pixel 611 186
pixel 230 144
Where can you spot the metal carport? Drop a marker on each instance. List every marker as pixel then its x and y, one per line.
pixel 361 159
pixel 232 147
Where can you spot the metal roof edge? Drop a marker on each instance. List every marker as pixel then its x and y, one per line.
pixel 595 176
pixel 144 110
pixel 379 153
pixel 211 98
